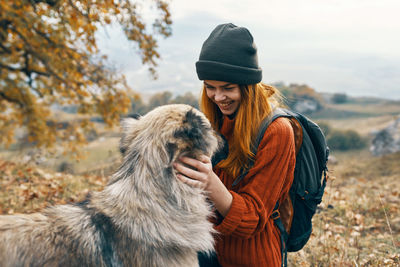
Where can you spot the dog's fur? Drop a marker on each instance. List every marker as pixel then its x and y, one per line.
pixel 145 216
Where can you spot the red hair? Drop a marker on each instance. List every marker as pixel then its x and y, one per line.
pixel 255 105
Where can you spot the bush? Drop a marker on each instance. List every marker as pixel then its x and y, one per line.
pixel 339 98
pixel 66 167
pixel 325 127
pixel 346 140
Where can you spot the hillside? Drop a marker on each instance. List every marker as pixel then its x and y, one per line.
pixel 358 223
pixel 359 108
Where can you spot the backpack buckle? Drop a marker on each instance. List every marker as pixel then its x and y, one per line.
pixel 275 215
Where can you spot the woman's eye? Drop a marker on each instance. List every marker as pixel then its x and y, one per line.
pixel 229 88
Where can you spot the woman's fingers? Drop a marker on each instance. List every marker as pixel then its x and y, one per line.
pixel 194 172
pixel 188 172
pixel 205 159
pixel 191 162
pixel 190 182
pixel 199 164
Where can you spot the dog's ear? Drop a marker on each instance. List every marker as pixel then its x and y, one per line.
pixel 172 149
pixel 129 131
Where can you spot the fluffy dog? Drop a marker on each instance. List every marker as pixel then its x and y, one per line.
pixel 144 216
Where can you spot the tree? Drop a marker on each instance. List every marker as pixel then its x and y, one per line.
pixel 159 99
pixel 49 57
pixel 138 107
pixel 325 127
pixel 188 98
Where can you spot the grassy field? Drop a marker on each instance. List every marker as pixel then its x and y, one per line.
pixel 362 126
pixel 359 109
pixel 363 115
pixel 99 156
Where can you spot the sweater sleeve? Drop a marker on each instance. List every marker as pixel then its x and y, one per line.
pixel 268 180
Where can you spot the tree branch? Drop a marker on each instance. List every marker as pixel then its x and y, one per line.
pixel 9 67
pixel 4 96
pixel 5 48
pixel 43 61
pixel 77 9
pixel 49 2
pixel 25 70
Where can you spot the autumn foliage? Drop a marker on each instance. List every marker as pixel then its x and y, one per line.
pixel 27 188
pixel 49 58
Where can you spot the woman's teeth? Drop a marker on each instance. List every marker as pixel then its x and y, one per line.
pixel 224 105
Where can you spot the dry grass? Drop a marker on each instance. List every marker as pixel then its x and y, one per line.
pixel 363 126
pixel 26 189
pixel 359 223
pixel 378 108
pixel 100 154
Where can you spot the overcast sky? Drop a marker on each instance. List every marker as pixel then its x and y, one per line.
pixel 350 46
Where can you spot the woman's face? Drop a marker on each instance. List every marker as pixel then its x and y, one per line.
pixel 224 94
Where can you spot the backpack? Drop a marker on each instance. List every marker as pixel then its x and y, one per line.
pixel 307 189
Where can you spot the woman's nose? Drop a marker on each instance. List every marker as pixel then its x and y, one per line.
pixel 219 95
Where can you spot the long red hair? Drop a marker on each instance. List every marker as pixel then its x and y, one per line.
pixel 255 105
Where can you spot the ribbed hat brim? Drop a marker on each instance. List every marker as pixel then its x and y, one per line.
pixel 211 70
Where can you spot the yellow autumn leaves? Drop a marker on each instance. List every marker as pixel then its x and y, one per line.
pixel 49 60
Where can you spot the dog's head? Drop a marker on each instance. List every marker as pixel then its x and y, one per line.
pixel 146 183
pixel 167 132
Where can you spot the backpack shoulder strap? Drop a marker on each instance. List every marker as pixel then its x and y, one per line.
pixel 276 113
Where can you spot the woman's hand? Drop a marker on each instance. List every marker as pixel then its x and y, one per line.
pixel 202 176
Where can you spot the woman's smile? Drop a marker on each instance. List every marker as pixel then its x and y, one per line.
pixel 225 105
pixel 224 94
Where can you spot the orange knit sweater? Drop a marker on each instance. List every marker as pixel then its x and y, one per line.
pixel 247 235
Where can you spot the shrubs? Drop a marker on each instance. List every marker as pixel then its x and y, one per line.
pixel 339 98
pixel 345 140
pixel 342 139
pixel 325 127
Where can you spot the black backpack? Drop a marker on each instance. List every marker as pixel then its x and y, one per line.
pixel 307 188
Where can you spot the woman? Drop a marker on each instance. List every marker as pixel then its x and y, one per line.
pixel 235 101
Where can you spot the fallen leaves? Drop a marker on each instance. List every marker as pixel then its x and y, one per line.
pixel 28 189
pixel 359 221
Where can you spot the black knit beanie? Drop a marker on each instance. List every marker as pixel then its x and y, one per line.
pixel 230 55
